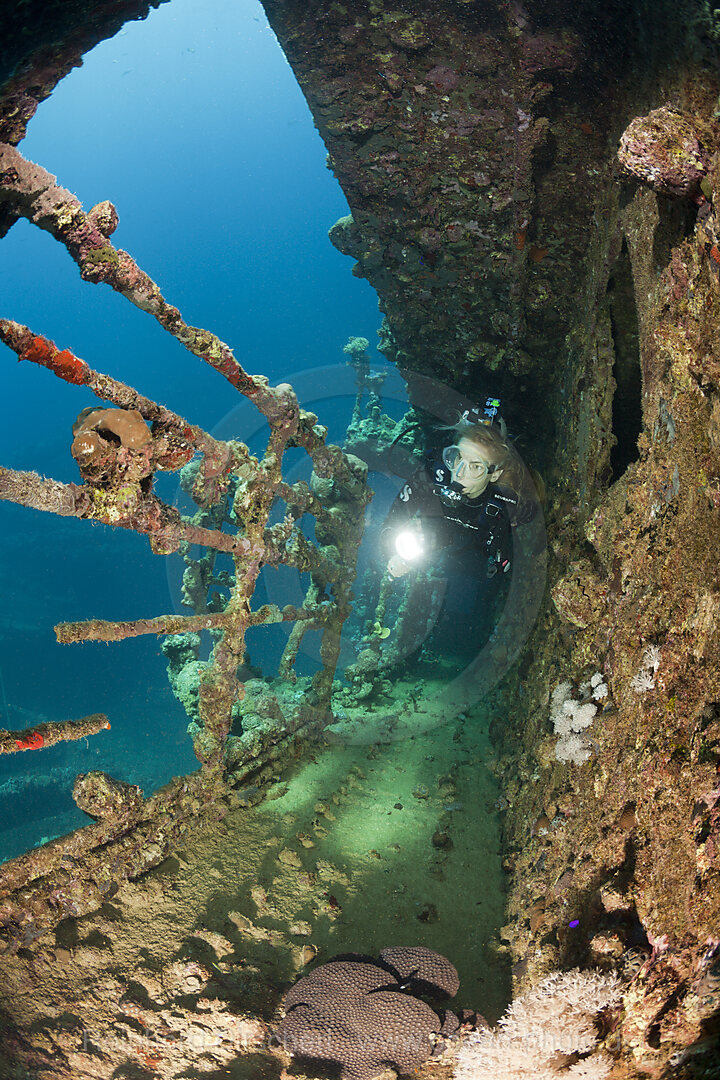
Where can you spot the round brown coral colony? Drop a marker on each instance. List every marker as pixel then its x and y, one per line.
pixel 345 980
pixel 393 1029
pixel 356 1015
pixel 422 968
pixel 127 424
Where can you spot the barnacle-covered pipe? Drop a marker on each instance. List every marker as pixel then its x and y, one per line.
pixel 103 630
pixel 174 439
pixel 48 734
pixel 126 506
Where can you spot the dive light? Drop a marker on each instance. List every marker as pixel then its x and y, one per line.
pixel 409 545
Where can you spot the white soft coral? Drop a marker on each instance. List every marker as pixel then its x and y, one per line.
pixel 644 680
pixel 582 716
pixel 573 748
pixel 651 657
pixel 554 1019
pixel 570 718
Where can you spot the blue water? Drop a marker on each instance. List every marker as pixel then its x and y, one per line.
pixel 194 127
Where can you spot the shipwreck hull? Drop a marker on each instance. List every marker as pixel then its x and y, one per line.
pixel 515 253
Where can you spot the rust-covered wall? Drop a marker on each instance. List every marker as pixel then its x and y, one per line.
pixel 477 145
pixel 40 42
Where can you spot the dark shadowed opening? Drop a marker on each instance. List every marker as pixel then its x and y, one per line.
pixel 627 402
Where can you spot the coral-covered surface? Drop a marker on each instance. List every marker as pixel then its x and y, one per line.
pixel 615 861
pixel 665 151
pixel 472 140
pixel 477 145
pixel 436 121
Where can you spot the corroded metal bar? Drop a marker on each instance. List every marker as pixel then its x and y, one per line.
pixel 129 509
pixel 299 496
pixel 301 500
pixel 47 734
pixel 218 686
pixel 126 508
pixel 29 489
pixel 289 656
pixel 298 551
pixel 67 366
pixel 32 192
pixel 344 532
pixel 41 861
pixel 103 630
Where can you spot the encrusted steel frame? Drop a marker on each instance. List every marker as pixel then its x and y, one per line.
pixel 72 875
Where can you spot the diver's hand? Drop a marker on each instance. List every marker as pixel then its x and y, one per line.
pixel 397 567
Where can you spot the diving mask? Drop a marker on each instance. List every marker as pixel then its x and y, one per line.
pixel 459 466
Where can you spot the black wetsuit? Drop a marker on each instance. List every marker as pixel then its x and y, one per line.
pixel 450 519
pixel 470 540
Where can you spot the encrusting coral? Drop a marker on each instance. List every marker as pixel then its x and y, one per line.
pixel 664 149
pixel 101 796
pixel 127 424
pixel 108 445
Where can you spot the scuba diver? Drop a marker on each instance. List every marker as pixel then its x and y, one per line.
pixel 458 511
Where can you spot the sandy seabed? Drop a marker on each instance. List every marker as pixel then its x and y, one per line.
pixel 356 849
